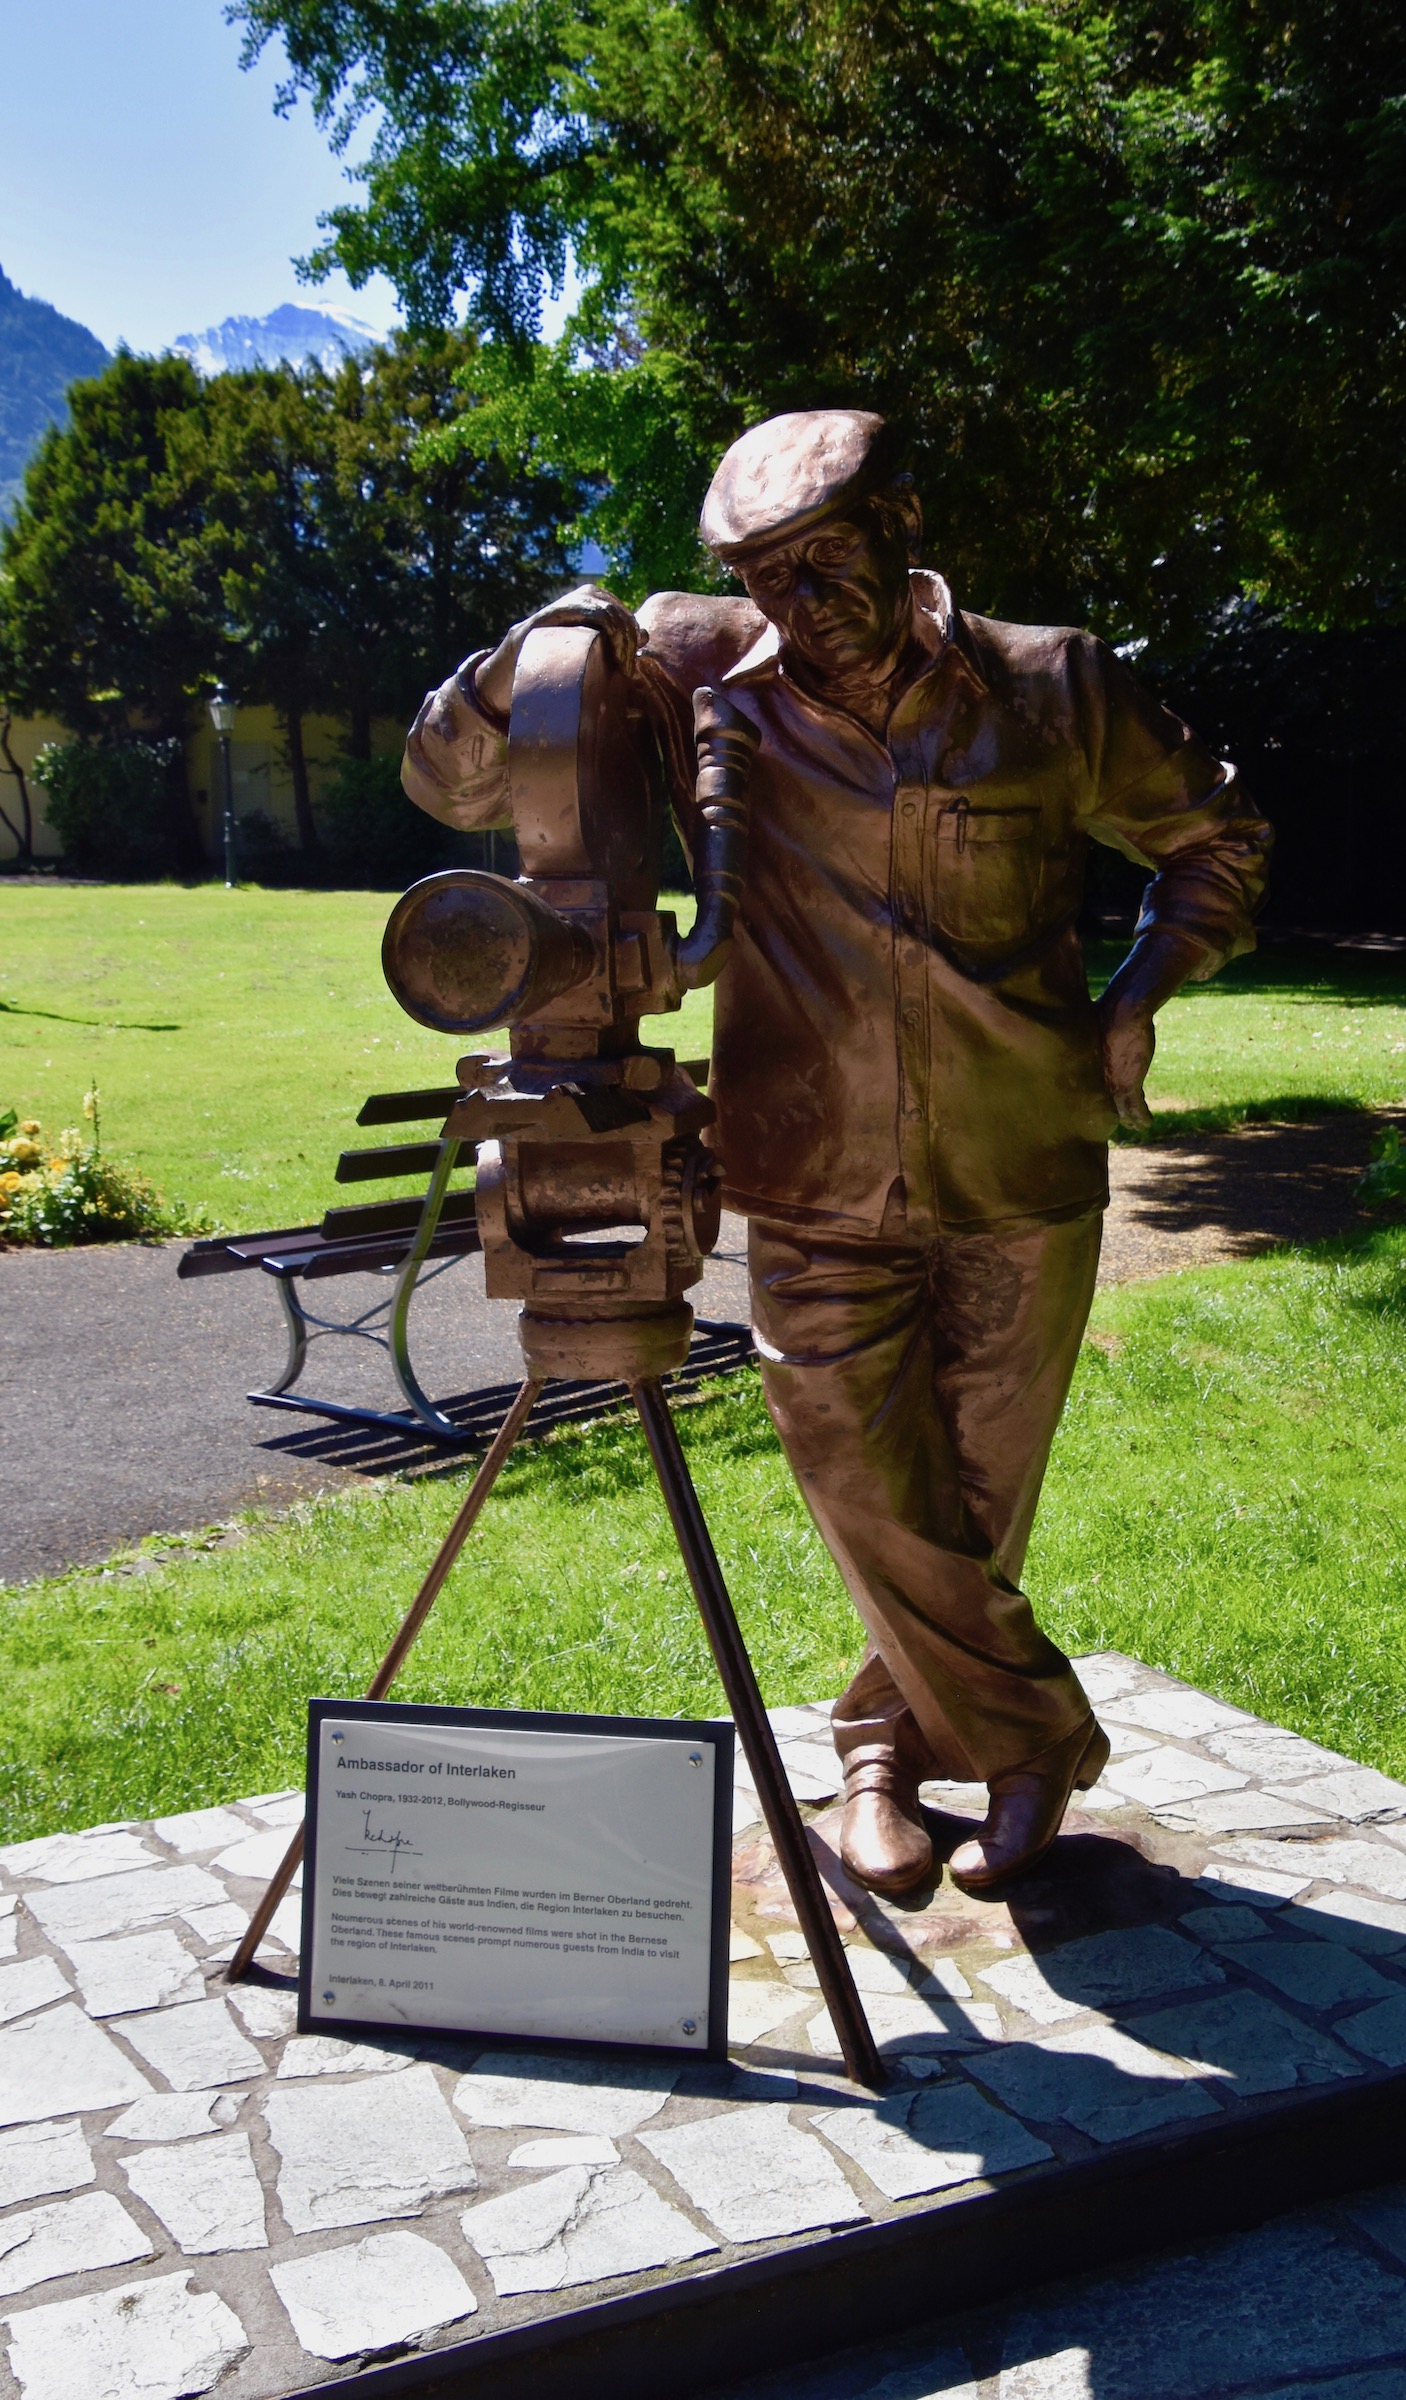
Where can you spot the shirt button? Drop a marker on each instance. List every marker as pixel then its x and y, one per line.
pixel 910 808
pixel 912 1018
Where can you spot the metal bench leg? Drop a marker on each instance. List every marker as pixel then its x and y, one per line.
pixel 398 1329
pixel 296 1327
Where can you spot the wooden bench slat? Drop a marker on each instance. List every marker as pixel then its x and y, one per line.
pixel 394 1216
pixel 367 1254
pixel 211 1255
pixel 403 1108
pixel 398 1158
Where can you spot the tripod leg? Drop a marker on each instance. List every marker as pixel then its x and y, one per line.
pixel 489 1469
pixel 758 1741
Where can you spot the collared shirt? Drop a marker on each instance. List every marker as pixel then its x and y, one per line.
pixel 904 1037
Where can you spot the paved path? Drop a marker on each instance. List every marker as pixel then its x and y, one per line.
pixel 124 1390
pixel 125 1410
pixel 1206 1198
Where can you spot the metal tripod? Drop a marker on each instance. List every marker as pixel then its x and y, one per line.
pixel 738 1680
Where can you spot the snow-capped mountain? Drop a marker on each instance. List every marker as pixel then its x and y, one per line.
pixel 292 332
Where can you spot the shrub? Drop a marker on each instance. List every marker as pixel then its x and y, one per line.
pixel 109 804
pixel 374 838
pixel 1384 1183
pixel 262 852
pixel 58 1192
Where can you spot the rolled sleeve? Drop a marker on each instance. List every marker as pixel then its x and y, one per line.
pixel 456 756
pixel 1159 795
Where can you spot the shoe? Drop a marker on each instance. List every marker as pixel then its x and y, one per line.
pixel 884 1843
pixel 1027 1810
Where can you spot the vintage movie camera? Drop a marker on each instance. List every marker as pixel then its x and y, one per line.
pixel 598 1196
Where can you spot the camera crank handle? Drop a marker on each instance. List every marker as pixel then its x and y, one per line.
pixel 727 744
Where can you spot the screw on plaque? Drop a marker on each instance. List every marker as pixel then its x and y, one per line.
pixel 695 1758
pixel 690 2025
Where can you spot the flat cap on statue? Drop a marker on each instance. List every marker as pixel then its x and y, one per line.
pixel 786 475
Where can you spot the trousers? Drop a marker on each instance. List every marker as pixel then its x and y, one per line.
pixel 916 1388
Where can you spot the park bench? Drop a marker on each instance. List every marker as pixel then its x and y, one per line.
pixel 410 1241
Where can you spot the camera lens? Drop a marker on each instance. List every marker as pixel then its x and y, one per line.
pixel 466 951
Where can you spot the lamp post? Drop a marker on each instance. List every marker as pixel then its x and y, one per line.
pixel 222 715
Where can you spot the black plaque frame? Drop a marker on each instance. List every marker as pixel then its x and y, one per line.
pixel 716 1731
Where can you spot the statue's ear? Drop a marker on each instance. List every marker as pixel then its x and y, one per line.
pixel 910 508
pixel 899 511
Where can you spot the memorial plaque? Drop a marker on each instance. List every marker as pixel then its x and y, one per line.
pixel 560 1878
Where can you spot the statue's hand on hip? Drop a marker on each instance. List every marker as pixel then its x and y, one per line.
pixel 1129 1040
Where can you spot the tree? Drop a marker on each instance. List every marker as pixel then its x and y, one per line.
pixel 284 530
pixel 1133 278
pixel 479 541
pixel 20 827
pixel 113 616
pixel 355 562
pixel 257 441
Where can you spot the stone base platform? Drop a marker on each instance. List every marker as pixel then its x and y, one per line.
pixel 1191 2016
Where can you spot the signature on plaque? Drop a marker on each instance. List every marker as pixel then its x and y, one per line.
pixel 382 1837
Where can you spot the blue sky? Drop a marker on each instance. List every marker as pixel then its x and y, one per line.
pixel 146 186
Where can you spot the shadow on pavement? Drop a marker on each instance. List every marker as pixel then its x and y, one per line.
pixel 382 1450
pixel 1235 1195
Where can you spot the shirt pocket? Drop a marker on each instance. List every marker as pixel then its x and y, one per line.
pixel 986 874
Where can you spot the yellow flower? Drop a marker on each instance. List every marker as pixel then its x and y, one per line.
pixel 29 1124
pixel 10 1181
pixel 90 1102
pixel 25 1153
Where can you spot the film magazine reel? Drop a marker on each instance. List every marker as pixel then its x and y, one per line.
pixel 598 1198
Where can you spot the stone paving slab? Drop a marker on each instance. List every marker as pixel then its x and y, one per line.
pixel 191 2193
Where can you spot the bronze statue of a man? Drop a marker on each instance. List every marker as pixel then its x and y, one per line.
pixel 914 1089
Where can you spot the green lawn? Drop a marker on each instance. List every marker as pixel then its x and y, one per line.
pixel 1226 1499
pixel 235 1034
pixel 1278 1035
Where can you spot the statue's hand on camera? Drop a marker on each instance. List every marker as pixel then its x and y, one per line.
pixel 588 606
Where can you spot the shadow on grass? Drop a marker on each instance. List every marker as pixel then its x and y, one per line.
pixel 1298 978
pixel 1260 1187
pixel 56 1016
pixel 1228 1116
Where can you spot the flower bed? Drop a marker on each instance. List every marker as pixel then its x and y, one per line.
pixel 60 1190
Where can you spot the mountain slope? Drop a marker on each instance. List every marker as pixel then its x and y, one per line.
pixel 41 354
pixel 291 332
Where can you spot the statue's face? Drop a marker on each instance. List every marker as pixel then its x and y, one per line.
pixel 838 595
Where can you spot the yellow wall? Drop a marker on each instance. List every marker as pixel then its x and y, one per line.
pixel 261 778
pixel 26 736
